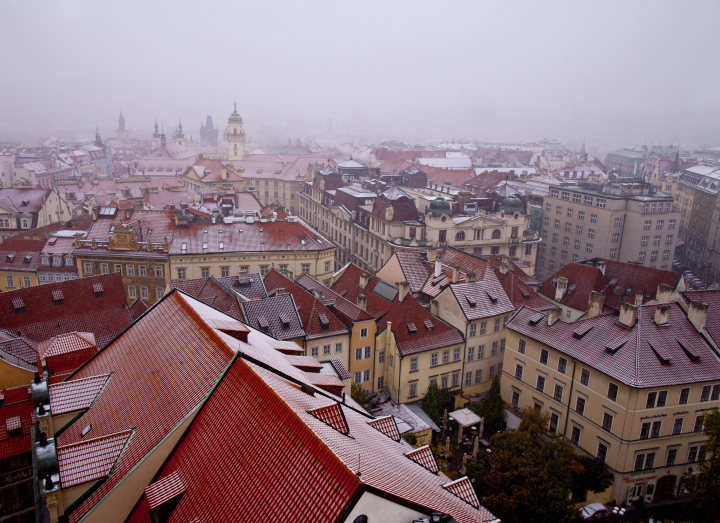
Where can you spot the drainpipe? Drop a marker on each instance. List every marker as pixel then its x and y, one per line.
pixel 567 413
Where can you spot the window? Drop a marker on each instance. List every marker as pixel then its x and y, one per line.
pixel 470 353
pixel 478 376
pixel 647 225
pixel 181 274
pixel 576 198
pixel 585 377
pixel 577 244
pixel 618 222
pixel 381 356
pixel 653 255
pixel 562 365
pixel 607 421
pixel 568 226
pixel 224 272
pixel 600 202
pixel 481 352
pixel 671 224
pixel 581 215
pixel 205 272
pixel 338 348
pixel 305 267
pixel 666 255
pixel 363 333
pixel 434 359
pixel 492 371
pixel 651 397
pixel 9 281
pixel 672 455
pixel 104 268
pixel 612 391
pixel 566 241
pixel 494 350
pixel 368 352
pixel 557 224
pixel 705 394
pixel 548 207
pixel 558 394
pixel 588 200
pixel 366 376
pixel 496 234
pixel 413 364
pixel 521 346
pixel 644 240
pixel 553 251
pixel 544 356
pixel 641 256
pixel 565 195
pixel 456 379
pixel 413 389
pixel 540 385
pixel 359 354
pixel 569 213
pixel 644 461
pixel 144 292
pixel 518 371
pixel 358 377
pixel 692 454
pixel 327 266
pixel 677 426
pixel 579 230
pixel 502 346
pixel 131 291
pixel 602 452
pixel 143 271
pixel 443 382
pixel 483 327
pixel 580 405
pixel 473 329
pixel 158 271
pixel 616 237
pixel 468 379
pixel 130 270
pixel 446 357
pixel 381 383
pixel 575 436
pixel 698 424
pixel 456 354
pixel 555 237
pixel 326 350
pixel 118 268
pixel 593 218
pixel 684 393
pixel 715 393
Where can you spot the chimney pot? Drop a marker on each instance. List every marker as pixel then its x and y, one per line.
pixel 438 268
pixel 665 293
pixel 319 294
pixel 364 278
pixel 639 298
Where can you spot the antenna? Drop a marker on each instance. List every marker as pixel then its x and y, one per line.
pixel 359 472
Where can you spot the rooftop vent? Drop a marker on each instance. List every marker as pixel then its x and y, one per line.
pixel 324 322
pixel 615 345
pixel 412 329
pixel 534 320
pixel 428 325
pixel 284 319
pixel 661 355
pixel 263 323
pixel 9 258
pixel 58 297
pixel 689 351
pixel 18 305
pixel 581 331
pixel 98 289
pixel 27 258
pixel 471 301
pixel 493 299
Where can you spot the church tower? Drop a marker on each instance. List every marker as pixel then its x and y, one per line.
pixel 236 136
pixel 121 133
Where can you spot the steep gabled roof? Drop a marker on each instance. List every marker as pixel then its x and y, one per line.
pixel 211 291
pixel 16 407
pixel 276 316
pixel 521 294
pixel 347 311
pixel 711 297
pixel 105 313
pixel 482 299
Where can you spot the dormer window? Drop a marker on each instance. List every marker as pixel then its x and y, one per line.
pixel 9 258
pixel 57 261
pixel 45 260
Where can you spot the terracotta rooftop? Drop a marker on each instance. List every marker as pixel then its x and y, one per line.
pixel 16 406
pixel 105 314
pixel 211 291
pixel 710 297
pixel 276 317
pixel 91 459
pixel 65 344
pixel 251 287
pixel 636 356
pixel 78 394
pixel 520 293
pixel 347 311
pixel 482 299
pixel 138 307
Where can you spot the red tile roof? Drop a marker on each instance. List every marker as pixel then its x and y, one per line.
pixel 82 311
pixel 66 344
pixel 18 351
pixel 711 297
pixel 415 271
pixel 634 361
pixel 317 320
pixel 520 294
pixel 276 317
pixel 332 415
pixel 423 456
pixel 138 307
pixel 347 311
pixel 211 291
pixel 91 459
pixel 164 490
pixel 16 405
pixel 387 426
pixel 77 394
pixel 482 299
pixel 463 489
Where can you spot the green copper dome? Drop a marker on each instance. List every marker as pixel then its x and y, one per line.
pixel 440 206
pixel 235 116
pixel 511 204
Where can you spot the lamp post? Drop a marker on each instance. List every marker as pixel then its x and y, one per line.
pixel 619 512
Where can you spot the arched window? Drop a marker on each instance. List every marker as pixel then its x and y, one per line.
pixel 496 234
pixel 235 131
pixel 460 236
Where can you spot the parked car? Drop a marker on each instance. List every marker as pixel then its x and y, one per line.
pixel 594 512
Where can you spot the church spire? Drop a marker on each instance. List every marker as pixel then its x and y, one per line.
pixel 163 141
pixel 675 167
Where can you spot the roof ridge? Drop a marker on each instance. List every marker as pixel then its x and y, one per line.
pixel 93 440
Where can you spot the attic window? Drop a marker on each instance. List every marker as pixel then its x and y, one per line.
pixel 98 289
pixel 284 319
pixel 163 497
pixel 263 322
pixel 27 258
pixel 14 427
pixel 628 290
pixel 411 328
pixel 534 320
pixel 205 245
pixel 582 330
pixel 183 247
pixel 428 325
pixel 58 297
pixel 662 356
pixel 324 322
pixel 302 242
pixel 493 299
pixel 615 345
pixel 9 258
pixel 84 431
pixel 525 294
pixel 471 301
pixel 18 305
pixel 221 245
pixel 689 352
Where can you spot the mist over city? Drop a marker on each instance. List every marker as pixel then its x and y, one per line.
pixel 359 262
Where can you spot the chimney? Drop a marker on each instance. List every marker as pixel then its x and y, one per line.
pixel 601 265
pixel 431 254
pixel 504 266
pixel 243 277
pixel 639 298
pixel 456 274
pixel 280 291
pixel 319 294
pixel 697 314
pixel 595 304
pixel 362 301
pixel 434 307
pixel 364 278
pixel 554 316
pixel 470 277
pixel 224 173
pixel 438 268
pixel 128 213
pixel 404 289
pixel 665 293
pixel 561 287
pixel 662 314
pixel 628 315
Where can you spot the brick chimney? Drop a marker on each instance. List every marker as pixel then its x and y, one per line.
pixel 362 301
pixel 662 314
pixel 404 289
pixel 455 274
pixel 561 288
pixel 595 304
pixel 628 315
pixel 364 279
pixel 434 307
pixel 697 314
pixel 554 316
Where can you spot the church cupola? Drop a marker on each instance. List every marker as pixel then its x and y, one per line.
pixel 235 136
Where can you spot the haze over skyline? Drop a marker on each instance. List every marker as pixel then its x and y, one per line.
pixel 616 72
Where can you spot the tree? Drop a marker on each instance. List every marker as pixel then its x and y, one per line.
pixel 596 477
pixel 358 394
pixel 528 474
pixel 431 403
pixel 492 409
pixel 705 497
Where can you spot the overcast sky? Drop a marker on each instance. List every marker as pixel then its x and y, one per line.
pixel 626 72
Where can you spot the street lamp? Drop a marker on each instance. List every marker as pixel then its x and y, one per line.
pixel 619 512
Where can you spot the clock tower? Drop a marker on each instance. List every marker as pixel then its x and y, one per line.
pixel 235 136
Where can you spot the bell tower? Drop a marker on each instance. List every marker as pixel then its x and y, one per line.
pixel 236 136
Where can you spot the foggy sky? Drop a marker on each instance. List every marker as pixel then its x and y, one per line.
pixel 612 72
